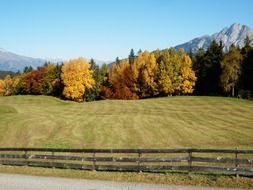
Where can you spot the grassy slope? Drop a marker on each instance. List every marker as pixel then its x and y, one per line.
pixel 39 121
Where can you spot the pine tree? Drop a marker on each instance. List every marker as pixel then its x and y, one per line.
pixel 246 80
pixel 93 93
pixel 27 69
pixel 117 61
pixel 208 70
pixel 131 57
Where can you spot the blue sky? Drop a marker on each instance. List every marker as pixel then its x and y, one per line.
pixel 105 29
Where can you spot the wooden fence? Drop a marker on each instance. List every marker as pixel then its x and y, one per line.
pixel 224 161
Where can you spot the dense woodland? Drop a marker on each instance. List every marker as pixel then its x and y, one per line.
pixel 142 75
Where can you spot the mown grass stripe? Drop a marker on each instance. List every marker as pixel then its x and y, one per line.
pixel 186 121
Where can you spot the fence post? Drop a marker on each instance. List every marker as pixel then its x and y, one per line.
pixel 139 162
pixel 26 162
pixel 83 159
pixel 94 161
pixel 236 162
pixel 52 160
pixel 189 162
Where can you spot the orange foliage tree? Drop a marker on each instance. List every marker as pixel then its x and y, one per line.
pixel 121 77
pixel 33 81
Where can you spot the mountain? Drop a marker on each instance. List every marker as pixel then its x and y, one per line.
pixel 235 34
pixel 101 62
pixel 12 62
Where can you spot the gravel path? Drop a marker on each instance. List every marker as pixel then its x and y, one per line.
pixel 24 182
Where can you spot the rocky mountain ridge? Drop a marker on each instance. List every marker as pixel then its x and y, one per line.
pixel 235 34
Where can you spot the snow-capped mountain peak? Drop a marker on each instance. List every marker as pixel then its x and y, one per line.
pixel 235 34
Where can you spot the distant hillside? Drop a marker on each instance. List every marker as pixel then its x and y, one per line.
pixel 235 34
pixel 3 74
pixel 12 62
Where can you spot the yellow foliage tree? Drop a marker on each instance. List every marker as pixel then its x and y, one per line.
pixel 144 69
pixel 1 87
pixel 77 78
pixel 174 73
pixel 231 70
pixel 117 69
pixel 16 81
pixel 165 73
pixel 8 85
pixel 186 78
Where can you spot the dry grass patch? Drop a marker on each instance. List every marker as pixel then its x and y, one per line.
pixel 159 178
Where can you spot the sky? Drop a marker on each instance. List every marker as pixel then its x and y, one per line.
pixel 106 29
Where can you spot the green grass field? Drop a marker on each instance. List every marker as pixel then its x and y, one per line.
pixel 186 121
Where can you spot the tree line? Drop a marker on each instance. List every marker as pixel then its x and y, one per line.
pixel 146 74
pixel 224 74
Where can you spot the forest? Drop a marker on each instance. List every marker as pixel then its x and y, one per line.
pixel 146 74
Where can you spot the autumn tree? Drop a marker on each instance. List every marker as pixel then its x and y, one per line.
pixel 121 77
pixel 34 81
pixel 19 85
pixel 184 75
pixel 231 70
pixel 1 87
pixel 77 78
pixel 8 86
pixel 45 80
pixel 144 70
pixel 174 72
pixel 165 72
pixel 158 53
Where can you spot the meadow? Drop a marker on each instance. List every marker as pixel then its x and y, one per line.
pixel 170 122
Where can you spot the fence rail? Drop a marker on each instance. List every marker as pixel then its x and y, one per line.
pixel 224 161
